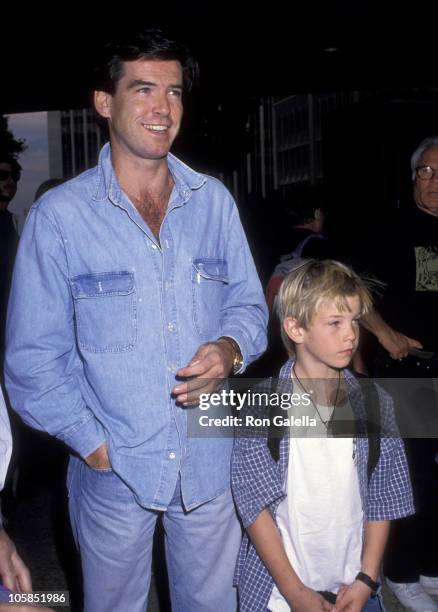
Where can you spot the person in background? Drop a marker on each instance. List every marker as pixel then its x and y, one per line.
pixel 46 185
pixel 404 256
pixel 14 574
pixel 302 235
pixel 305 237
pixel 10 172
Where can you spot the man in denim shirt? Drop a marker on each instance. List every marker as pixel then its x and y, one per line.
pixel 133 289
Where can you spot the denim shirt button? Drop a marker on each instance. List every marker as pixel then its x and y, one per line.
pixel 172 455
pixel 171 327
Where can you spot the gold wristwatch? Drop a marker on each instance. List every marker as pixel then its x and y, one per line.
pixel 238 357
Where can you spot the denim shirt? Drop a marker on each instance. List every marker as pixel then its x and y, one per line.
pixel 102 315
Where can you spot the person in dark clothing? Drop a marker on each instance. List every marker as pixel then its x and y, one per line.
pixel 10 172
pixel 304 238
pixel 405 258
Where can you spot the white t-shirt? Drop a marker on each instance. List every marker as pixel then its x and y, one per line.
pixel 5 441
pixel 321 519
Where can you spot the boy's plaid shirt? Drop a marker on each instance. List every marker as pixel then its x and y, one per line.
pixel 259 482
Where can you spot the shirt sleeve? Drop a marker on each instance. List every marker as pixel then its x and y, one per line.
pixel 244 315
pixel 390 492
pixel 43 368
pixel 255 476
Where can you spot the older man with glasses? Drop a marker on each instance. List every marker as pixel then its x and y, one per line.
pixel 405 258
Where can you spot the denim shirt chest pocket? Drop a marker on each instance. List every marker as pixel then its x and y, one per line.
pixel 209 281
pixel 105 311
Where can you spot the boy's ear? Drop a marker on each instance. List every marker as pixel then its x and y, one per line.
pixel 294 330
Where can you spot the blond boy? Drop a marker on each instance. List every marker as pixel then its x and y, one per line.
pixel 316 522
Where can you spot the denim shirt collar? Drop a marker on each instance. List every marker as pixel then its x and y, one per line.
pixel 107 185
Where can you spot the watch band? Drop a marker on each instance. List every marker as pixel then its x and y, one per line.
pixel 374 586
pixel 238 358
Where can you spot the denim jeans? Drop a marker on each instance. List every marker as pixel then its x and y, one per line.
pixel 375 604
pixel 114 536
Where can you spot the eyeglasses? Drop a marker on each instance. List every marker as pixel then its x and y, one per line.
pixel 425 173
pixel 13 174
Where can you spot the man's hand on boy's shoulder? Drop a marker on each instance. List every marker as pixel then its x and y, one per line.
pixel 308 600
pixel 352 598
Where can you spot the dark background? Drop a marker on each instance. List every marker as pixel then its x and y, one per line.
pixel 249 50
pixel 245 49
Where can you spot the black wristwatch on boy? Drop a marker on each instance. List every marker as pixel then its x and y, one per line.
pixel 374 586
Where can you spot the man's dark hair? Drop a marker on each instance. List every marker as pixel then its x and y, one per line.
pixel 10 147
pixel 148 45
pixel 46 185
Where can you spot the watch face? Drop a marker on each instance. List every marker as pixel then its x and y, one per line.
pixel 237 363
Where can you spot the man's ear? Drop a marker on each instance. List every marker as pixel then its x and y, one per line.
pixel 294 330
pixel 102 103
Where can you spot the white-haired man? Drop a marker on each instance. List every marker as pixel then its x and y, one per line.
pixel 407 262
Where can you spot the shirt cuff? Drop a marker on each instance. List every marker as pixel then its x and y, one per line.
pixel 86 437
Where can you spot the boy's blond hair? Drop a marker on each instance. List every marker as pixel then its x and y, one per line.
pixel 312 282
